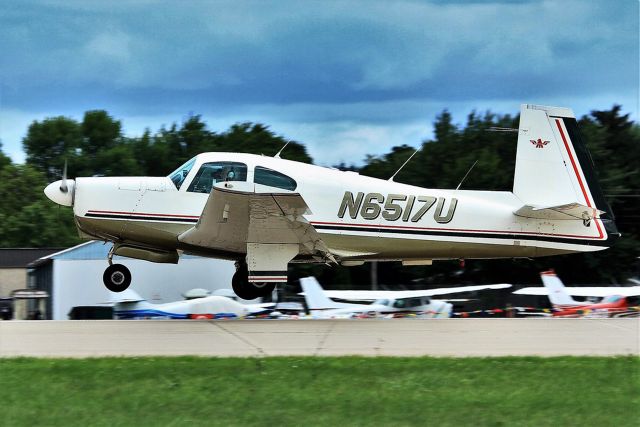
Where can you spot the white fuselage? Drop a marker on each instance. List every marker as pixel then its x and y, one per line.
pixel 358 217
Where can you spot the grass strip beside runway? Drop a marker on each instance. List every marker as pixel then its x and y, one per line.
pixel 320 391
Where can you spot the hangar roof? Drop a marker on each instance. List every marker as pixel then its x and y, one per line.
pixel 22 257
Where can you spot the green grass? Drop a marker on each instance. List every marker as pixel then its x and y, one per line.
pixel 190 391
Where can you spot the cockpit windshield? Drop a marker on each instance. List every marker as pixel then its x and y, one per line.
pixel 178 176
pixel 612 298
pixel 383 302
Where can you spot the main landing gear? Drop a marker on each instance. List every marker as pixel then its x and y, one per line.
pixel 245 289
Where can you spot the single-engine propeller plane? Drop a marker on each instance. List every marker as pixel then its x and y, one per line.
pixel 614 300
pixel 265 212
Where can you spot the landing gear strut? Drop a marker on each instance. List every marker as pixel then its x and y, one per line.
pixel 246 290
pixel 116 277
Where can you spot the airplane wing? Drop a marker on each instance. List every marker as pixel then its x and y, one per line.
pixel 235 216
pixel 375 295
pixel 586 291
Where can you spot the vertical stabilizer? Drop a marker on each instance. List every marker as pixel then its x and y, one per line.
pixel 557 293
pixel 315 296
pixel 553 165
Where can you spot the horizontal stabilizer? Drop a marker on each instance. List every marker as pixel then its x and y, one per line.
pixel 567 211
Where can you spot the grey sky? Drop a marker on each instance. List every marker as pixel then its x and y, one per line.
pixel 346 78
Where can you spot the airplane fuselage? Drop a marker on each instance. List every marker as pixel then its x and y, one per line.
pixel 607 308
pixel 358 217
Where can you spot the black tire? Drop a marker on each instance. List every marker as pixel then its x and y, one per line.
pixel 263 289
pixel 245 290
pixel 240 283
pixel 117 278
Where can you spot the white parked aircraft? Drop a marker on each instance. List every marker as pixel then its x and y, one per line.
pixel 265 212
pixel 129 305
pixel 385 302
pixel 321 306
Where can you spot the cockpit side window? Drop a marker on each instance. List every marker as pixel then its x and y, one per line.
pixel 178 175
pixel 273 178
pixel 214 172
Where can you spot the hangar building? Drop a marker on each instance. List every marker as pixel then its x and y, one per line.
pixel 73 277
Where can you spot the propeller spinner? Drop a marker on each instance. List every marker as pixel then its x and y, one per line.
pixel 61 192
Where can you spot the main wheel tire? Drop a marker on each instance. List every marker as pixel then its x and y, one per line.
pixel 117 278
pixel 240 283
pixel 263 289
pixel 244 290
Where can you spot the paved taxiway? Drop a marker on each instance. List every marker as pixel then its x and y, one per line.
pixel 398 337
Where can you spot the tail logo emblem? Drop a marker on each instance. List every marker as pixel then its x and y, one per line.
pixel 539 143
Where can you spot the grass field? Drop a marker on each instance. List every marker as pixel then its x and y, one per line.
pixel 189 391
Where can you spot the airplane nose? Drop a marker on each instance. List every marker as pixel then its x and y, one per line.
pixel 56 192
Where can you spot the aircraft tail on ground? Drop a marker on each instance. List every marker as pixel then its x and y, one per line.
pixel 129 296
pixel 315 296
pixel 555 176
pixel 557 293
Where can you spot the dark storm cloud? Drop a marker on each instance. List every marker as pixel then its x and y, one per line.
pixel 158 58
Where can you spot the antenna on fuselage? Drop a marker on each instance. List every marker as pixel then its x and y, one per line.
pixel 500 129
pixel 466 174
pixel 407 161
pixel 277 156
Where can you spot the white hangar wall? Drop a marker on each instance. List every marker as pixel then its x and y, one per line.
pixel 79 282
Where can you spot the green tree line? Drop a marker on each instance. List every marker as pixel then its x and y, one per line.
pixel 97 146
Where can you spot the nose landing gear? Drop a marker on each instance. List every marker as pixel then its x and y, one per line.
pixel 116 277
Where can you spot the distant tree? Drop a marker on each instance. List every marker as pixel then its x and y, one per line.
pixel 256 138
pixel 52 141
pixel 27 217
pixel 4 159
pixel 100 132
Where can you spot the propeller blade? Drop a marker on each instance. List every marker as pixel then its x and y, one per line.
pixel 63 185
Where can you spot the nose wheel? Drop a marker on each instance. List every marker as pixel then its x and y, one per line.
pixel 116 277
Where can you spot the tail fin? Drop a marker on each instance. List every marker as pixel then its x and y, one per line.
pixel 557 293
pixel 126 296
pixel 315 296
pixel 555 176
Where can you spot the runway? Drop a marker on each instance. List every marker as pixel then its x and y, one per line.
pixel 398 337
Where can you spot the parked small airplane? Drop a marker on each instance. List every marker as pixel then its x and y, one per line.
pixel 265 212
pixel 386 303
pixel 129 305
pixel 614 299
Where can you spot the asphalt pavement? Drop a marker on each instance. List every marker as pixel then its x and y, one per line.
pixel 368 337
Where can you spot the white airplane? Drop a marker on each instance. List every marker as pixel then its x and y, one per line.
pixel 614 299
pixel 321 306
pixel 129 305
pixel 265 212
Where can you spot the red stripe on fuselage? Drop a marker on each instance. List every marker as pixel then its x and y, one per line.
pixel 143 213
pixel 532 233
